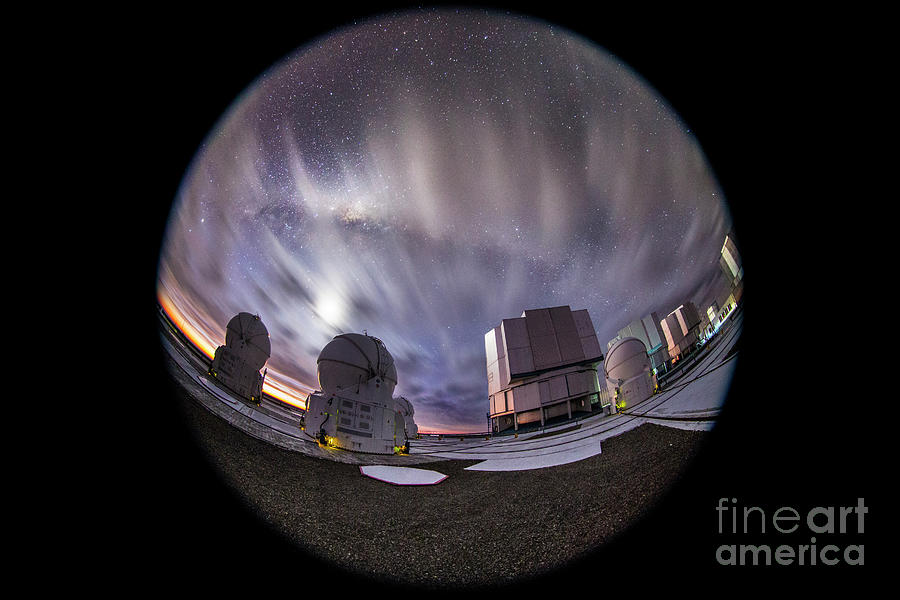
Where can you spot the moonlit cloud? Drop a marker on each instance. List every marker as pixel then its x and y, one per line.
pixel 424 176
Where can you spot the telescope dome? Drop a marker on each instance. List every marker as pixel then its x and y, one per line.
pixel 403 406
pixel 351 359
pixel 627 358
pixel 246 335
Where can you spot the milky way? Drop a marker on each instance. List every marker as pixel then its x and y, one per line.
pixel 424 175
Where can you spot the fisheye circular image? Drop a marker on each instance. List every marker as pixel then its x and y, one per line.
pixel 451 296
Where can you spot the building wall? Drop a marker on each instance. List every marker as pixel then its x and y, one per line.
pixel 730 260
pixel 539 340
pixel 654 334
pixel 552 387
pixel 689 316
pixel 647 329
pixel 730 263
pixel 497 368
pixel 634 329
pixel 671 330
pixel 712 313
pixel 659 358
pixel 545 357
pixel 681 328
pixel 650 331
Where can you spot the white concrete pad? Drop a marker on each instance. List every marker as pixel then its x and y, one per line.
pixel 539 460
pixel 703 395
pixel 402 475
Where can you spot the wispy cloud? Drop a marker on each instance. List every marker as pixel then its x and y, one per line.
pixel 425 191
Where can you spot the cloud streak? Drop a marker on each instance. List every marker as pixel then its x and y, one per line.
pixel 425 176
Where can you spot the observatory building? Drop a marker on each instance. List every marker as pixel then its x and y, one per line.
pixel 629 377
pixel 355 409
pixel 681 328
pixel 247 348
pixel 541 365
pixel 733 272
pixel 649 331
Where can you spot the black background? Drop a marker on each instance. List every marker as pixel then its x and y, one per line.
pixel 765 94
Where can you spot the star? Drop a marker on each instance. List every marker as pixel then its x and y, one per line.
pixel 428 174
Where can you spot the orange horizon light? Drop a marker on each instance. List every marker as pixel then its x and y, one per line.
pixel 276 389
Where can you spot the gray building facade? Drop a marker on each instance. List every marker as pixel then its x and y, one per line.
pixel 540 366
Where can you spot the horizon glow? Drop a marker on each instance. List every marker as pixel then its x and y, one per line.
pixel 424 175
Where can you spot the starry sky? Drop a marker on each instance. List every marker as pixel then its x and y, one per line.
pixel 423 175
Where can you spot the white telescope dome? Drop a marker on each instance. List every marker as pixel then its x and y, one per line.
pixel 351 359
pixel 627 358
pixel 246 335
pixel 403 406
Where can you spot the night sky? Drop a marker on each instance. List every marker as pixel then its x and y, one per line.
pixel 422 177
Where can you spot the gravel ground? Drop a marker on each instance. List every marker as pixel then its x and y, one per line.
pixel 473 529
